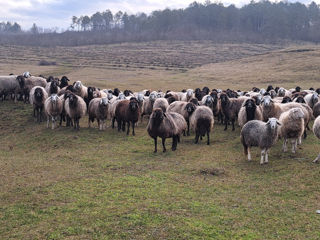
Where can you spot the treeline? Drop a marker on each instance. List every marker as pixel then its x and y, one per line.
pixel 255 22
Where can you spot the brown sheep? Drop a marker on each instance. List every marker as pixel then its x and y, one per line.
pixel 127 111
pixel 166 125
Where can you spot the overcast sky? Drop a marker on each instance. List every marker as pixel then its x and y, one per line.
pixel 58 13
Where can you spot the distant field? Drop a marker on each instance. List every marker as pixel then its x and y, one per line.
pixel 64 184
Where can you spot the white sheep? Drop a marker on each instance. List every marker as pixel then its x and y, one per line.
pixel 53 108
pixel 292 127
pixel 260 134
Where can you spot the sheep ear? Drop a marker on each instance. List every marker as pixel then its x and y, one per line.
pixel 278 123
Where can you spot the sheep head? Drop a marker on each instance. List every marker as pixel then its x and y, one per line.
pixel 190 107
pixel 273 123
pixel 134 104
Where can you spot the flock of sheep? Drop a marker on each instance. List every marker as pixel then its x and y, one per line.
pixel 263 114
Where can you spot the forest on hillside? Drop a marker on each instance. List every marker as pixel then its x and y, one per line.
pixel 257 22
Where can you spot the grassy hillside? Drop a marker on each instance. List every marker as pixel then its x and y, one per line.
pixel 64 184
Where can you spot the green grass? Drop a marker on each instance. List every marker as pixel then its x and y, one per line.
pixel 64 184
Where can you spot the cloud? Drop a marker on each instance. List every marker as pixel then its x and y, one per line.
pixel 58 13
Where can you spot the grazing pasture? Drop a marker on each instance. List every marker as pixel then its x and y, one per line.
pixel 91 184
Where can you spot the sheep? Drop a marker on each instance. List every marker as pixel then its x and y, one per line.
pixel 183 108
pixel 127 111
pixel 188 95
pixel 161 103
pixel 283 92
pixel 311 99
pixel 38 96
pixel 98 108
pixel 8 84
pixel 199 94
pixel 112 108
pixel 148 105
pixel 52 87
pixel 259 134
pixel 64 82
pixel 249 111
pixel 53 108
pixel 75 108
pixel 316 110
pixel 80 89
pixel 90 95
pixel 230 108
pixel 202 122
pixel 166 125
pixel 316 131
pixel 26 84
pixel 292 126
pixel 286 99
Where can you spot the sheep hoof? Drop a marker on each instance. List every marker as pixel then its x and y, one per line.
pixel 164 150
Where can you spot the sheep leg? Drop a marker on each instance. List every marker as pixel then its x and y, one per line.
pixel 208 138
pixel 133 133
pixel 174 143
pixel 123 126
pixel 89 122
pixel 178 138
pixel 128 128
pixel 164 144
pixel 155 144
pixel 75 124
pixel 113 120
pixel 293 143
pixel 197 138
pixel 263 152
pixel 317 159
pixel 284 146
pixel 119 125
pixel 78 123
pixel 266 160
pixel 304 134
pixel 300 140
pixel 232 124
pixel 188 132
pixel 248 152
pixel 48 121
pixel 226 120
pixel 53 122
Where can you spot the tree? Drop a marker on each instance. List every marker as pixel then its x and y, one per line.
pixel 97 21
pixel 34 29
pixel 107 19
pixel 74 22
pixel 85 23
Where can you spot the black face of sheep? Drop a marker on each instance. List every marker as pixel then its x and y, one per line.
pixel 38 94
pixel 21 80
pixel 250 109
pixel 147 93
pixel 133 105
pixel 126 93
pixel 318 90
pixel 90 92
pixel 300 99
pixel 183 90
pixel 116 92
pixel 190 107
pixel 54 87
pixel 73 100
pixel 224 99
pixel 206 90
pixel 255 89
pixel 64 82
pixel 50 79
pixel 286 99
pixel 269 88
pixel 157 116
pixel 276 89
pixel 298 89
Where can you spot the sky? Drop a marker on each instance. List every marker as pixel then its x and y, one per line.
pixel 58 13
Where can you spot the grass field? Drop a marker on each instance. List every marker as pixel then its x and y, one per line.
pixel 64 184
